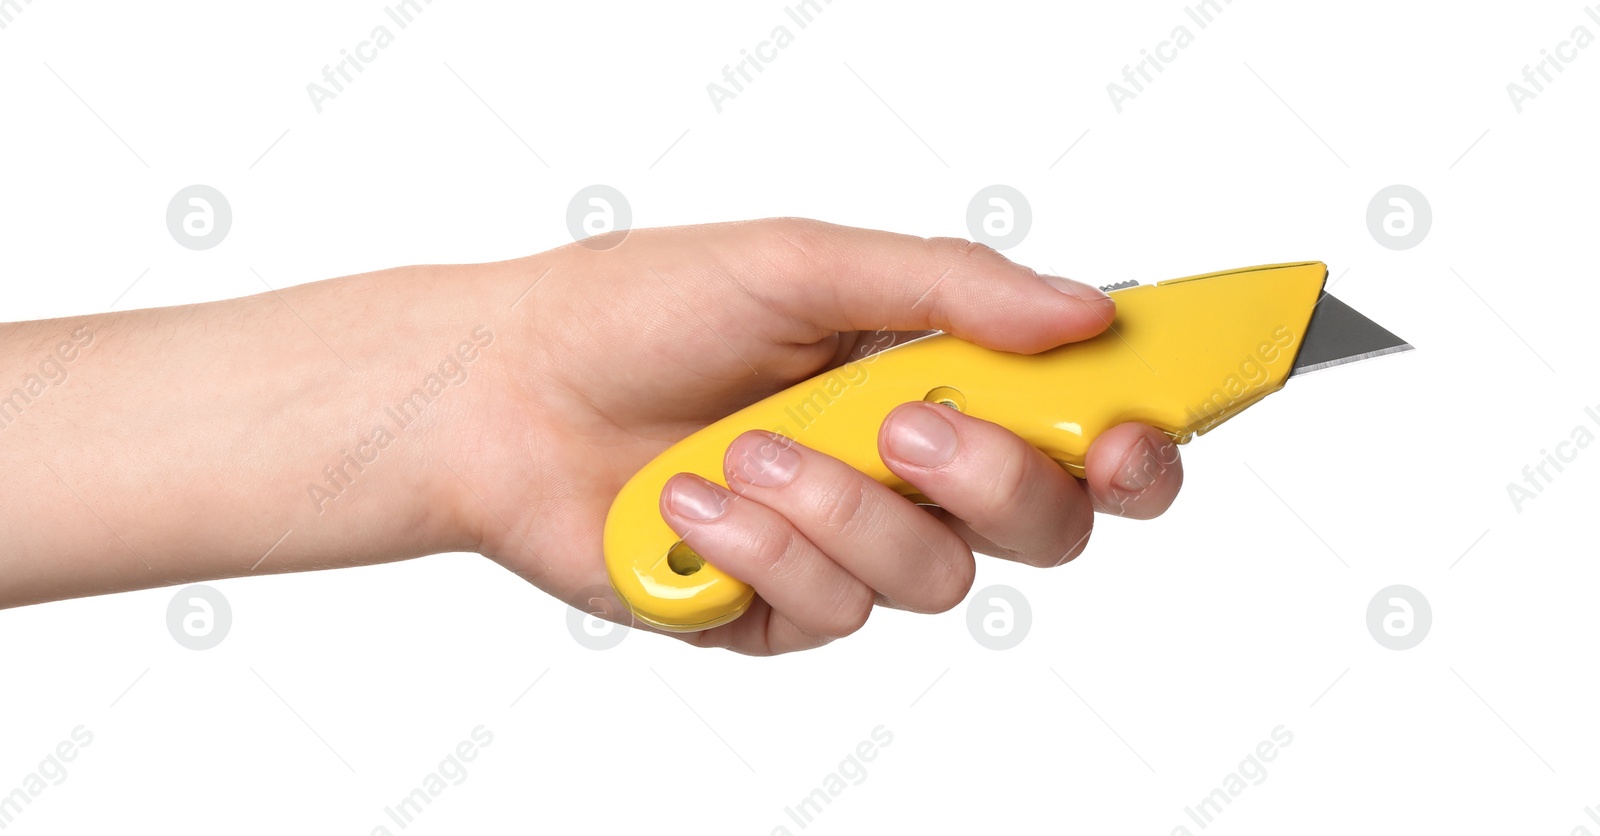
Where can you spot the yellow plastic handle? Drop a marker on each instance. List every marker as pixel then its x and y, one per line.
pixel 1182 355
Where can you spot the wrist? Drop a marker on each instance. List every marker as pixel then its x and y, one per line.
pixel 388 480
pixel 265 434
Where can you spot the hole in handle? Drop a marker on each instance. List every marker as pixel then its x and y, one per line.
pixel 683 560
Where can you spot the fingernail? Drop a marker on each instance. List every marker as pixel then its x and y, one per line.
pixel 921 436
pixel 694 498
pixel 764 460
pixel 1077 290
pixel 1139 468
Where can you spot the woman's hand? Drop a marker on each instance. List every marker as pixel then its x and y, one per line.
pixel 620 352
pixel 499 408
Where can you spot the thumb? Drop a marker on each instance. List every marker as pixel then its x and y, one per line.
pixel 839 278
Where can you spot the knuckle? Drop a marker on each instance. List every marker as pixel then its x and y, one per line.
pixel 793 225
pixel 794 242
pixel 846 508
pixel 770 549
pixel 1008 488
pixel 954 252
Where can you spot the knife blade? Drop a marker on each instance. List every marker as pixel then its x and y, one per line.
pixel 1338 334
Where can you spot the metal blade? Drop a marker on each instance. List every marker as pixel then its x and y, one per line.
pixel 1339 334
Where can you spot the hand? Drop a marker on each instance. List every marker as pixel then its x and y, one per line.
pixel 626 350
pixel 498 408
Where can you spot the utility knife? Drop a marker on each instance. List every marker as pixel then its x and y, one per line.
pixel 1182 355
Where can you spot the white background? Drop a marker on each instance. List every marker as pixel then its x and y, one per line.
pixel 1155 663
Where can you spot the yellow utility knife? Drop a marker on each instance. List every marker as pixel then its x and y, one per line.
pixel 1182 355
